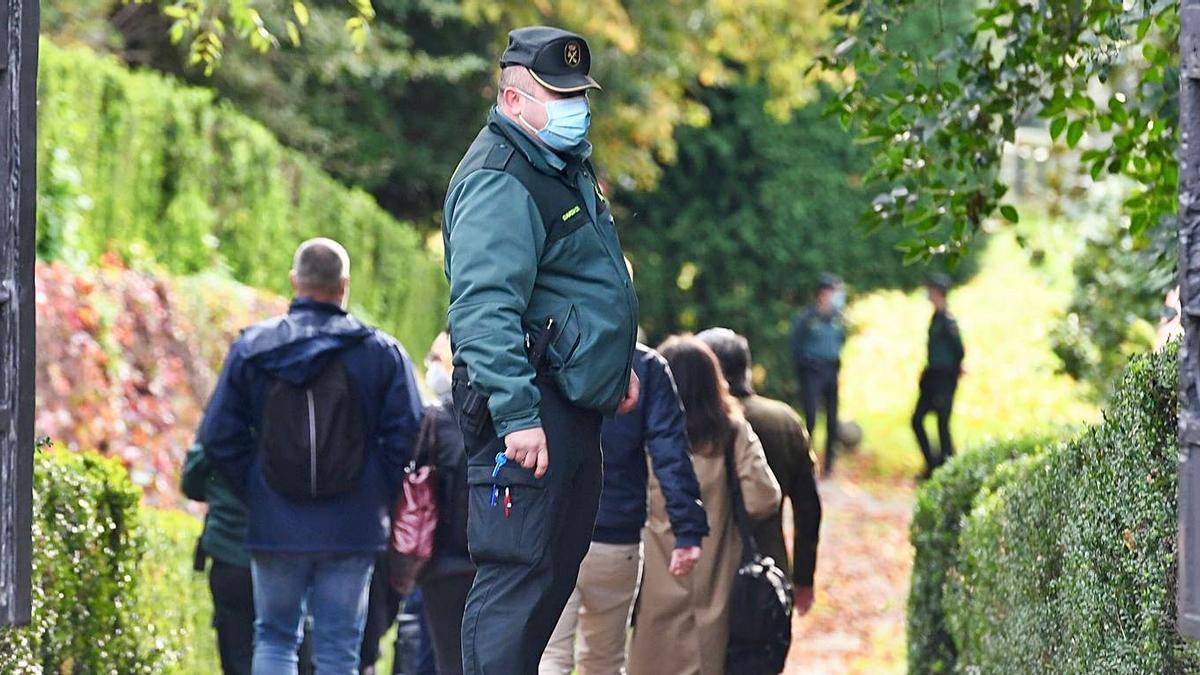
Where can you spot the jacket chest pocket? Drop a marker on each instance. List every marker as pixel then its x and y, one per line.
pixel 567 224
pixel 508 515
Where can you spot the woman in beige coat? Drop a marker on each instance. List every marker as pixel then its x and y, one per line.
pixel 682 622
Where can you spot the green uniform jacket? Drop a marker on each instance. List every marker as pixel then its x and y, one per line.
pixel 785 443
pixel 507 279
pixel 224 536
pixel 945 343
pixel 817 337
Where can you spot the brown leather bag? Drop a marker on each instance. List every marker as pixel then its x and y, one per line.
pixel 415 514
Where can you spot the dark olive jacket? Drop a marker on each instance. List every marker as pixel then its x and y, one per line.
pixel 785 442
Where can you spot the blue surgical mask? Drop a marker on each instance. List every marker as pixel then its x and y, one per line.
pixel 567 122
pixel 839 300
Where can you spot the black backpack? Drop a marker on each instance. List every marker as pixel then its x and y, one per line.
pixel 312 435
pixel 760 604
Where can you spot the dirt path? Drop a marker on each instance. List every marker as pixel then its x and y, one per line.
pixel 857 624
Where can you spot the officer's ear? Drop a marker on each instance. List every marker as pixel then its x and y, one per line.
pixel 344 291
pixel 292 280
pixel 511 102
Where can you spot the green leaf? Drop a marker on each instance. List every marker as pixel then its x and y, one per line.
pixel 293 33
pixel 1010 214
pixel 301 12
pixel 1075 133
pixel 1057 125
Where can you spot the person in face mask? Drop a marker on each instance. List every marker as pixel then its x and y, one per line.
pixel 817 337
pixel 544 320
pixel 445 583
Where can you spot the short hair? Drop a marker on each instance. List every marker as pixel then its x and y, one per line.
pixel 733 354
pixel 321 265
pixel 514 77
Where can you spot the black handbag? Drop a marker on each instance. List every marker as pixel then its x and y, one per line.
pixel 760 604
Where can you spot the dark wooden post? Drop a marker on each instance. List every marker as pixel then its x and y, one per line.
pixel 18 232
pixel 1189 279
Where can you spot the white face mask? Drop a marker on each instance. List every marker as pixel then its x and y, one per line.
pixel 437 380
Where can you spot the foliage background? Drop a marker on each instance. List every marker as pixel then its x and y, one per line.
pixel 738 230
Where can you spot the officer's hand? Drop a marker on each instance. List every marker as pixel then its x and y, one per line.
pixel 683 560
pixel 528 448
pixel 631 394
pixel 803 597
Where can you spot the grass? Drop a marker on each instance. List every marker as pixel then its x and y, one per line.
pixel 1005 314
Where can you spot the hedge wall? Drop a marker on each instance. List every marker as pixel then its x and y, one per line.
pixel 937 517
pixel 113 591
pixel 136 164
pixel 1058 560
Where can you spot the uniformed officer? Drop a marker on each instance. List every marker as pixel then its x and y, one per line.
pixel 817 337
pixel 939 380
pixel 543 317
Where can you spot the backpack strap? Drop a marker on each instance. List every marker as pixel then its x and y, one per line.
pixel 740 517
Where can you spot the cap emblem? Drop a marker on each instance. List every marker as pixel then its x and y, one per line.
pixel 572 54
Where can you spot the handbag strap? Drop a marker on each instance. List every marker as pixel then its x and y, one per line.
pixel 426 439
pixel 740 516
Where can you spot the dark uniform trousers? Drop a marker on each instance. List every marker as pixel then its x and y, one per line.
pixel 528 555
pixel 937 389
pixel 819 387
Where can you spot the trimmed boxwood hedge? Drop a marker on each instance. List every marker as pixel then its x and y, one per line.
pixel 940 507
pixel 1057 557
pixel 113 591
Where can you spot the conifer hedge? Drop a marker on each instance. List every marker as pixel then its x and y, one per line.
pixel 135 164
pixel 1057 557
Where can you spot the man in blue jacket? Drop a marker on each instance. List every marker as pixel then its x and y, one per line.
pixel 313 421
pixel 608 577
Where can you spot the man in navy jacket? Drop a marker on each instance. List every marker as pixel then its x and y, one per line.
pixel 315 554
pixel 609 575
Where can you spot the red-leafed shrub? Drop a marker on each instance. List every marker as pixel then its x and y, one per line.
pixel 127 360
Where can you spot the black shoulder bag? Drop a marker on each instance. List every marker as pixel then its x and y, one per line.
pixel 760 605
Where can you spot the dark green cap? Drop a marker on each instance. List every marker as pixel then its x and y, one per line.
pixel 559 60
pixel 939 281
pixel 828 280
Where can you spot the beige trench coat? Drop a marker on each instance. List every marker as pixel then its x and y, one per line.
pixel 683 622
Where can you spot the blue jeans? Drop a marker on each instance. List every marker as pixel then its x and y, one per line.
pixel 332 588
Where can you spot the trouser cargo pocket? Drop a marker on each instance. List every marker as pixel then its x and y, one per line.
pixel 508 520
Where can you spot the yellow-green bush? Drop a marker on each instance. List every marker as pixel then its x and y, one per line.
pixel 113 590
pixel 136 164
pixel 1064 559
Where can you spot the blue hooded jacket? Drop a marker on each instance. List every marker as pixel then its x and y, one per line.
pixel 293 348
pixel 656 427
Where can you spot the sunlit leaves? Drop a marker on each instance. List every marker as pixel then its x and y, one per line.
pixel 206 25
pixel 653 57
pixel 1101 75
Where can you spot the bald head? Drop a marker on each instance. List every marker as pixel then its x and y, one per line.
pixel 321 271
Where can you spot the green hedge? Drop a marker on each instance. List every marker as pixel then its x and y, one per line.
pixel 176 597
pixel 113 591
pixel 940 507
pixel 1065 558
pixel 136 164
